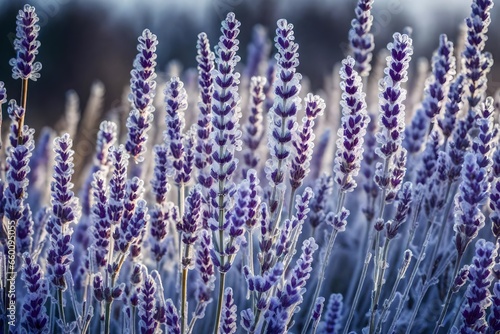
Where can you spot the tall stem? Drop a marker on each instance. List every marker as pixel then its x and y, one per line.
pixel 324 264
pixel 20 124
pixel 449 294
pixel 220 302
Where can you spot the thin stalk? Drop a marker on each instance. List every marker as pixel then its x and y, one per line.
pixel 414 272
pixel 20 124
pixel 184 281
pixel 220 302
pixel 107 317
pixel 449 294
pixel 389 300
pixel 379 283
pixel 290 204
pixel 132 320
pixel 321 277
pixel 60 306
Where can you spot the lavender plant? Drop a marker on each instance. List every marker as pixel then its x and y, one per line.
pixel 256 246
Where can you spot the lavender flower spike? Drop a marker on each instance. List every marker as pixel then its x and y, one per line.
pixel 65 211
pixel 34 316
pixel 360 38
pixel 254 129
pixel 203 149
pixel 176 104
pixel 391 119
pixel 478 294
pixel 475 63
pixel 494 318
pixel 143 87
pixel 26 45
pixel 472 192
pixel 147 306
pixel 228 320
pixel 3 93
pixel 282 116
pixel 303 141
pixel 354 123
pixel 333 315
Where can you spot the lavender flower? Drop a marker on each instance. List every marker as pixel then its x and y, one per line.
pixel 494 318
pixel 478 294
pixel 172 322
pixel 354 123
pixel 258 51
pixel 303 141
pixel 176 103
pixel 102 224
pixel 64 212
pixel 162 169
pixel 322 190
pixel 318 309
pixel 282 116
pixel 391 119
pixel 460 279
pixel 495 195
pixel 452 107
pixel 472 192
pixel 117 185
pixel 204 265
pixel 360 38
pixel 190 225
pixel 254 129
pixel 402 210
pixel 25 231
pixel 333 315
pixel 147 306
pixel 482 143
pixel 143 87
pixel 26 45
pixel 160 218
pixel 290 296
pixel 33 312
pixel 203 149
pixel 225 115
pixel 228 320
pixel 475 63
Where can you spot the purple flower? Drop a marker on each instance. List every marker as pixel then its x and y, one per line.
pixel 391 119
pixel 119 158
pixel 303 140
pixel 176 103
pixel 147 306
pixel 225 116
pixel 65 211
pixel 476 64
pixel 354 123
pixel 478 295
pixel 253 130
pixel 253 200
pixel 162 169
pixel 190 225
pixel 258 51
pixel 333 315
pixel 203 149
pixel 26 45
pixel 160 218
pixel 460 279
pixel 472 192
pixel 290 295
pixel 495 195
pixel 360 38
pixel 25 231
pixel 205 268
pixel 402 210
pixel 106 138
pixel 143 87
pixel 282 116
pixel 172 321
pixel 322 190
pixel 487 133
pixel 317 310
pixel 102 225
pixel 494 318
pixel 453 106
pixel 16 114
pixel 34 316
pixel 228 316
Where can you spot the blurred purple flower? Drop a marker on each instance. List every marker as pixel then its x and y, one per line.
pixel 360 38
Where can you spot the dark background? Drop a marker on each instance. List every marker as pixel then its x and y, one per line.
pixel 88 40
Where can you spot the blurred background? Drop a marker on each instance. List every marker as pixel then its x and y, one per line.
pixel 88 40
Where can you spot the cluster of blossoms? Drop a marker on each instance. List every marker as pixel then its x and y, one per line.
pixel 260 237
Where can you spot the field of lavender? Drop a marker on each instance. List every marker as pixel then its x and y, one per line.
pixel 232 200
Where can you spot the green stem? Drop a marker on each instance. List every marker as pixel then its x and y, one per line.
pixel 61 306
pixel 184 281
pixel 379 283
pixel 107 316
